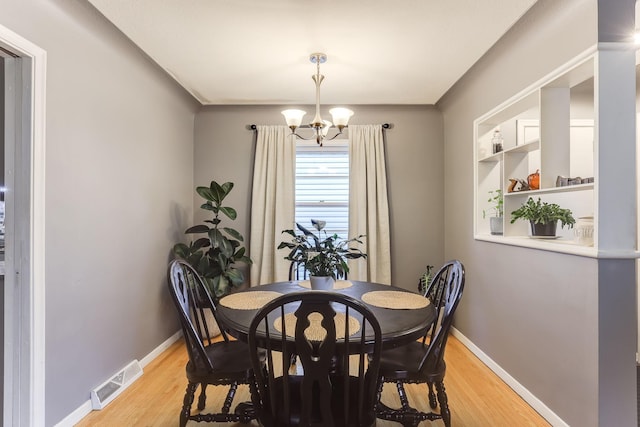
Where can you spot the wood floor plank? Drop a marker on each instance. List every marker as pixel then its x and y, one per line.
pixel 477 397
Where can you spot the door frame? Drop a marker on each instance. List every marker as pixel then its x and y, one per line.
pixel 24 311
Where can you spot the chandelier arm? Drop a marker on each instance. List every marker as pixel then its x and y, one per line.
pixel 302 137
pixel 333 137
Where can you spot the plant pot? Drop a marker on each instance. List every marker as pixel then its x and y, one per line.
pixel 495 224
pixel 544 230
pixel 321 283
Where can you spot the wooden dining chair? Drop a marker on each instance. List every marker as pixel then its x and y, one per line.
pixel 225 362
pixel 423 361
pixel 331 333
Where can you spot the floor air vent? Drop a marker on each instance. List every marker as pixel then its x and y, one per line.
pixel 105 393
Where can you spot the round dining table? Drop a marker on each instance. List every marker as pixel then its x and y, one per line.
pixel 404 316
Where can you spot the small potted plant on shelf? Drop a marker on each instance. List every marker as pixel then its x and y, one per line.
pixel 543 217
pixel 324 256
pixel 497 208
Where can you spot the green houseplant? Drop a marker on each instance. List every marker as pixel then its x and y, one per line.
pixel 497 208
pixel 215 256
pixel 321 254
pixel 543 217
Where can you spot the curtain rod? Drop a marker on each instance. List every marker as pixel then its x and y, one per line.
pixel 384 126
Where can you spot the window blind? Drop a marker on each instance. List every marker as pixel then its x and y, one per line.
pixel 322 186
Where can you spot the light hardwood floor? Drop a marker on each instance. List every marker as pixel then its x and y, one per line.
pixel 477 397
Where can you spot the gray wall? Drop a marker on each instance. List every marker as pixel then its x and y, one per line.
pixel 224 152
pixel 119 164
pixel 533 312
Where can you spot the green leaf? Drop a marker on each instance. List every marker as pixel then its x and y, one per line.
pixel 181 250
pixel 233 233
pixel 217 192
pixel 216 237
pixel 230 212
pixel 209 207
pixel 235 276
pixel 197 229
pixel 227 187
pixel 205 193
pixel 202 242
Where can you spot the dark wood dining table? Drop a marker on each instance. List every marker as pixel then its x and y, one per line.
pixel 399 325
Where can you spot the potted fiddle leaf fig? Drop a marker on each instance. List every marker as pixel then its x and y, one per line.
pixel 543 217
pixel 323 256
pixel 497 207
pixel 216 255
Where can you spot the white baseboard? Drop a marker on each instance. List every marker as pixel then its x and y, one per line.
pixel 526 395
pixel 161 348
pixel 77 415
pixel 84 409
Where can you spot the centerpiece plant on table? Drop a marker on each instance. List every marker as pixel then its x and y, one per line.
pixel 321 254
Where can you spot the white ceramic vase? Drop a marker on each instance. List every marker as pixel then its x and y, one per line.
pixel 321 283
pixel 583 231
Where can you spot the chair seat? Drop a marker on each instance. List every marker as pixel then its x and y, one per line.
pixel 317 418
pixel 232 363
pixel 403 363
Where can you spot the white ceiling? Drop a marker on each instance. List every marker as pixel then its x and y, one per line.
pixel 257 51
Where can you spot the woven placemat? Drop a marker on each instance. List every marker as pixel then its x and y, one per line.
pixel 395 299
pixel 339 284
pixel 249 300
pixel 315 331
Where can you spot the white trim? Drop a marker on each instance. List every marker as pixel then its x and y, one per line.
pixel 86 408
pixel 160 349
pixel 580 59
pixel 36 315
pixel 526 395
pixel 76 416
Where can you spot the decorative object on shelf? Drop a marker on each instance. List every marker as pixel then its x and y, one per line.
pixel 517 185
pixel 563 181
pixel 214 257
pixel 495 221
pixel 322 256
pixel 339 115
pixel 497 141
pixel 534 180
pixel 425 279
pixel 583 231
pixel 543 217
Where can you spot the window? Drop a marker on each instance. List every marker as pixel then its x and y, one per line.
pixel 322 185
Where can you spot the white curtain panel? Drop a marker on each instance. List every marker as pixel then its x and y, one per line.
pixel 368 204
pixel 272 203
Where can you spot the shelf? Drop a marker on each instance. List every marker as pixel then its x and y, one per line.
pixel 565 189
pixel 494 158
pixel 524 148
pixel 560 245
pixel 556 117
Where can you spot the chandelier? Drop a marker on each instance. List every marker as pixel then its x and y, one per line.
pixel 339 115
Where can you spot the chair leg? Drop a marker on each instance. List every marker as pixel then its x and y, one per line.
pixel 202 400
pixel 186 406
pixel 432 396
pixel 229 399
pixel 403 395
pixel 444 406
